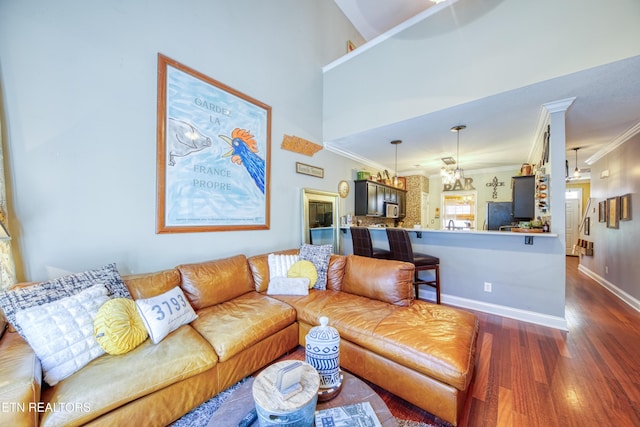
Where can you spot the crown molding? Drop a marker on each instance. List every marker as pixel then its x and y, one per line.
pixel 544 118
pixel 508 168
pixel 630 133
pixel 329 146
pixel 388 34
pixel 559 105
pixel 538 138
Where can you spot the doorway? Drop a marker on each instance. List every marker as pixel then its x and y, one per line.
pixel 573 202
pixel 320 218
pixel 425 216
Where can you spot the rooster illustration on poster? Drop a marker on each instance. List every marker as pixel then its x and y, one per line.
pixel 243 153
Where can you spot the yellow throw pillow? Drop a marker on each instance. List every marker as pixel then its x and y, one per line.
pixel 118 327
pixel 304 268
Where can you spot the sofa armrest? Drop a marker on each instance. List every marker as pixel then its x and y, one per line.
pixel 335 272
pixel 384 280
pixel 20 382
pixel 149 285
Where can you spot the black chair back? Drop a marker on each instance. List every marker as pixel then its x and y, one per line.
pixel 362 241
pixel 400 244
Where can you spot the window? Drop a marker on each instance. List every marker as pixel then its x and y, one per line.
pixel 572 194
pixel 459 211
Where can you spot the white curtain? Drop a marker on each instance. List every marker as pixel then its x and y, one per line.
pixel 7 266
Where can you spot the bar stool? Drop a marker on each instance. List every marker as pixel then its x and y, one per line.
pixel 401 250
pixel 362 244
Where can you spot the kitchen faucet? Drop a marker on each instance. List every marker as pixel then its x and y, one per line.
pixel 451 225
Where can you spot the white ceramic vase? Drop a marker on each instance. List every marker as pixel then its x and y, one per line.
pixel 322 351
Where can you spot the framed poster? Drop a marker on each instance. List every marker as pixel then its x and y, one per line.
pixel 213 154
pixel 613 212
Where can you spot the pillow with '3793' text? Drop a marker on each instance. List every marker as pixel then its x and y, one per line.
pixel 165 313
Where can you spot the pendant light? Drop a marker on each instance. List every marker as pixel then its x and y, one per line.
pixel 576 171
pixel 395 176
pixel 459 172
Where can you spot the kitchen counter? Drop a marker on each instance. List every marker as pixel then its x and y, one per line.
pixel 523 272
pixel 419 231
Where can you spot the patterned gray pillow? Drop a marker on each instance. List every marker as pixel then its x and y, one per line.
pixel 14 300
pixel 319 255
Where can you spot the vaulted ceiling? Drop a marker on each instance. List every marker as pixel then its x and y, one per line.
pixel 606 110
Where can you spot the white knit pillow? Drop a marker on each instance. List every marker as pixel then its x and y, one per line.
pixel 288 286
pixel 61 332
pixel 279 265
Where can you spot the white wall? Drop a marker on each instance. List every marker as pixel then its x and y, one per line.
pixel 472 50
pixel 484 194
pixel 78 83
pixel 615 251
pixel 527 284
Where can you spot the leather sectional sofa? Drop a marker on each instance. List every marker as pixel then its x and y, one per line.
pixel 422 352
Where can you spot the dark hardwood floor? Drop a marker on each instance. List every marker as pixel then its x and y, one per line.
pixel 530 375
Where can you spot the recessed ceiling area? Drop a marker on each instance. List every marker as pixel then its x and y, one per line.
pixel 503 128
pixel 374 17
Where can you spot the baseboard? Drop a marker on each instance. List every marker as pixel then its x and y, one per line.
pixel 624 296
pixel 510 312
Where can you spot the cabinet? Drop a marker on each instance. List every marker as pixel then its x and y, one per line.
pixel 524 197
pixel 370 198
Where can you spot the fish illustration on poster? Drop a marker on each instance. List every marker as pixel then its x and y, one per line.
pixel 216 155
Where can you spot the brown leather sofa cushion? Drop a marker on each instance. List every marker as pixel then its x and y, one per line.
pixel 210 283
pixel 379 279
pixel 439 343
pixel 354 316
pixel 21 376
pixel 236 325
pixel 111 381
pixel 152 284
pixel 432 339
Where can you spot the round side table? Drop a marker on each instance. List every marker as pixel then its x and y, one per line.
pixel 354 390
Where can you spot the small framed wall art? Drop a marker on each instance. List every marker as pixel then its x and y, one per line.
pixel 613 212
pixel 602 211
pixel 625 207
pixel 587 226
pixel 309 170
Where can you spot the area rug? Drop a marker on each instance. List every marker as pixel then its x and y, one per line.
pixel 409 423
pixel 200 416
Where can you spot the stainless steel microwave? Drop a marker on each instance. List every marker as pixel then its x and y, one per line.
pixel 391 210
